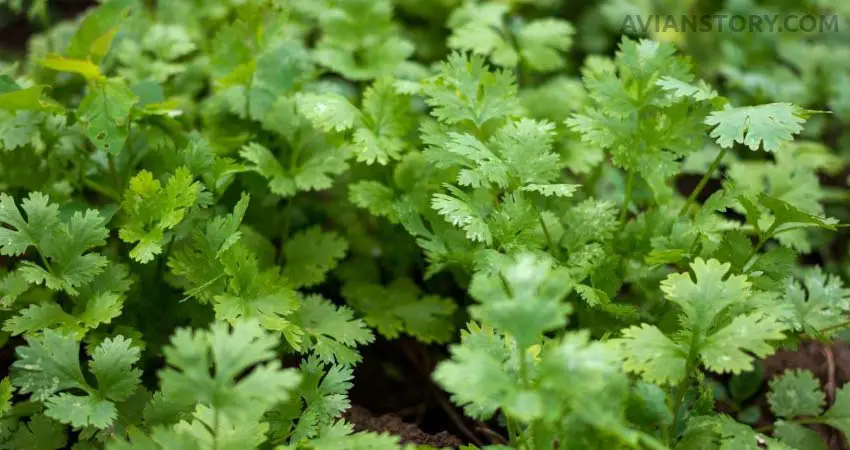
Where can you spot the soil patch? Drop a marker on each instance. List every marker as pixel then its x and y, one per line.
pixel 363 420
pixel 829 363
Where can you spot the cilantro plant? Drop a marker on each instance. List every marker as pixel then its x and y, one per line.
pixel 210 208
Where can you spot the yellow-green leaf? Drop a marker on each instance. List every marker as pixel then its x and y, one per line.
pixel 22 99
pixel 79 66
pixel 105 114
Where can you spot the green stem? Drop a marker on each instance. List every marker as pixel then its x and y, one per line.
pixel 711 169
pixel 294 153
pixel 113 172
pixel 549 242
pixel 630 180
pixel 215 430
pixel 524 381
pixel 837 326
pixel 762 240
pixel 284 233
pixel 103 190
pixel 651 442
pixel 683 385
pixel 802 421
pixel 513 431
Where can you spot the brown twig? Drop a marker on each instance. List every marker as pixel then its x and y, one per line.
pixel 425 372
pixel 456 419
pixel 830 373
pixel 495 438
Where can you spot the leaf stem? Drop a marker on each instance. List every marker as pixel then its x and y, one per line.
pixel 702 182
pixel 113 172
pixel 630 180
pixel 683 385
pixel 751 260
pixel 834 327
pixel 101 189
pixel 284 232
pixel 802 421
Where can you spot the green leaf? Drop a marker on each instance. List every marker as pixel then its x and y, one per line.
pixel 334 331
pixel 787 214
pixel 400 307
pixel 818 303
pixel 744 385
pixel 40 433
pixel 767 126
pixel 17 99
pixel 548 190
pixel 649 353
pixel 385 124
pixel 523 297
pixel 152 209
pixel 63 246
pixel 474 377
pixel 542 42
pixel 464 90
pixel 798 436
pixel 373 196
pixel 838 416
pixel 5 395
pixel 702 299
pixel 314 174
pixel 81 410
pixel 680 89
pixel 50 363
pixel 105 114
pixel 460 212
pixel 796 393
pixel 328 111
pixel 112 365
pixel 204 367
pixel 83 67
pixel 93 36
pixel 311 254
pixel 731 349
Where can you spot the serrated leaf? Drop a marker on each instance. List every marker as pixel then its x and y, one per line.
pixel 767 126
pixel 733 347
pixel 81 410
pixel 798 436
pixel 105 114
pixel 311 254
pixel 329 111
pixel 796 393
pixel 652 355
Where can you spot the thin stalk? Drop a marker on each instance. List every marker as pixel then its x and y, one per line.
pixel 295 152
pixel 549 242
pixel 523 380
pixel 651 442
pixel 103 190
pixel 513 430
pixel 113 172
pixel 630 181
pixel 802 421
pixel 837 326
pixel 284 233
pixel 711 169
pixel 690 362
pixel 762 240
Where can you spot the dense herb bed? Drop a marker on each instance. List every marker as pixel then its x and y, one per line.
pixel 220 219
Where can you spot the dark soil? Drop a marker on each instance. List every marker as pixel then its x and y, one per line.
pixel 363 420
pixel 829 363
